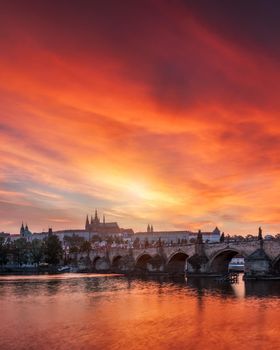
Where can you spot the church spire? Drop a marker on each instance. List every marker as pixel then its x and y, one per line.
pixel 87 223
pixel 22 228
pixel 148 228
pixel 96 218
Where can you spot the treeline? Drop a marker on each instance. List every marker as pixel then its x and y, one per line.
pixel 21 252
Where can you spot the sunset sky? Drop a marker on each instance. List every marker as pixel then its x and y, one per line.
pixel 162 112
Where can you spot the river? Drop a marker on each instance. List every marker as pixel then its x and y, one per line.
pixel 87 311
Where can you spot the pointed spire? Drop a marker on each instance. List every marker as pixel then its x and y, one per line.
pixel 22 228
pixel 152 228
pixel 26 227
pixel 95 216
pixel 148 228
pixel 87 223
pixel 103 219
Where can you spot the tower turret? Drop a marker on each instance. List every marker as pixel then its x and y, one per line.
pixel 96 218
pixel 22 229
pixel 87 224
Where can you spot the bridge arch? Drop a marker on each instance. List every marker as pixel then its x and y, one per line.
pixel 220 261
pixel 116 263
pixel 177 262
pixel 94 261
pixel 142 262
pixel 149 263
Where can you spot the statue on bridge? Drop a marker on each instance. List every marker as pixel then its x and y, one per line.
pixel 260 237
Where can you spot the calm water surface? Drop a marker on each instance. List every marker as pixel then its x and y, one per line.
pixel 74 311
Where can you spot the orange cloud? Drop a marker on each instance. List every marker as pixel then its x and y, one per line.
pixel 168 119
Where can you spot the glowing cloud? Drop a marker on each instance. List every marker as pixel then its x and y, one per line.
pixel 153 112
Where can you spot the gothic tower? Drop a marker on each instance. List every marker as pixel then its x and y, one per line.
pixel 87 224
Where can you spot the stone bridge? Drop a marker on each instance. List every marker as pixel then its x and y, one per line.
pixel 211 258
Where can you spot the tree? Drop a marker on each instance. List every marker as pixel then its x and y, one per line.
pixel 37 251
pixel 74 241
pixel 3 252
pixel 110 240
pixel 146 244
pixel 73 249
pixel 95 238
pixel 136 243
pixel 53 250
pixel 86 247
pixel 20 249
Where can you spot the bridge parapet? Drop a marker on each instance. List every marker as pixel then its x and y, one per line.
pixel 164 257
pixel 243 248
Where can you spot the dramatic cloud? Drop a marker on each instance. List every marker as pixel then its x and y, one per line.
pixel 153 111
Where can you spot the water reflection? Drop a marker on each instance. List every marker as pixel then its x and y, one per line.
pixel 115 312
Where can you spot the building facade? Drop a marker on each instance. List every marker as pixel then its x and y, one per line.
pixel 174 236
pixel 95 227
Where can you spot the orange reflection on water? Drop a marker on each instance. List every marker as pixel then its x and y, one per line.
pixel 107 312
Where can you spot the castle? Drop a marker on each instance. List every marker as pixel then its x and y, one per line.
pixel 98 227
pixel 94 226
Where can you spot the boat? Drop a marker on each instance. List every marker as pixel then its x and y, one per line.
pixel 231 277
pixel 63 269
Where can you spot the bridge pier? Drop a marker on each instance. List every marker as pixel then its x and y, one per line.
pixel 198 260
pixel 258 265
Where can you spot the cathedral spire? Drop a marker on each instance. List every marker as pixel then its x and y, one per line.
pixel 96 218
pixel 87 223
pixel 22 228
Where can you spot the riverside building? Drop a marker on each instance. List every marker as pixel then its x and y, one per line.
pixel 103 229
